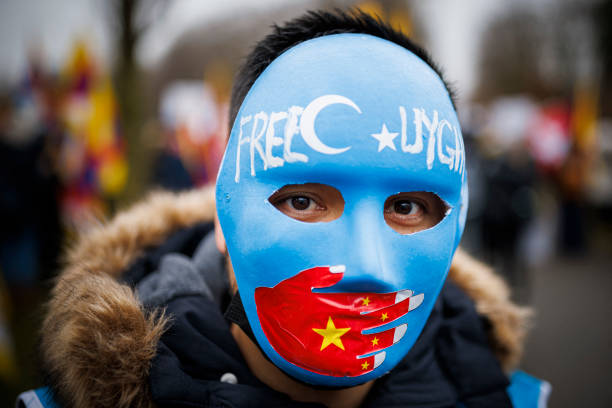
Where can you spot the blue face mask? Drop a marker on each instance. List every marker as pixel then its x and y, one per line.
pixel 340 303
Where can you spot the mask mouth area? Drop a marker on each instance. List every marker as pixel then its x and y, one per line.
pixel 356 284
pixel 337 334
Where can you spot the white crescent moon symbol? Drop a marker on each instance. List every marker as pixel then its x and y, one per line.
pixel 309 116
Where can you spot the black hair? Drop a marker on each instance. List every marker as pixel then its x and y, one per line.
pixel 311 25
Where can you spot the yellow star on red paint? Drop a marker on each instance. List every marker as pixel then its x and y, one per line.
pixel 366 301
pixel 375 341
pixel 365 366
pixel 384 317
pixel 331 335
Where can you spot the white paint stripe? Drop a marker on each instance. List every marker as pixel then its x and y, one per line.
pixel 415 301
pixel 379 358
pixel 545 390
pixel 399 332
pixel 29 399
pixel 403 294
pixel 337 269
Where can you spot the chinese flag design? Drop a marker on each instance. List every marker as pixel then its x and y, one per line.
pixel 323 332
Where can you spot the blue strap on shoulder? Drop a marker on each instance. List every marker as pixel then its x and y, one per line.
pixel 526 391
pixel 38 398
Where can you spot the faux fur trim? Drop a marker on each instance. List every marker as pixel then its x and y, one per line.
pixel 508 321
pixel 98 342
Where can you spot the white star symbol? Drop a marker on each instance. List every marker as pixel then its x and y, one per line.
pixel 385 138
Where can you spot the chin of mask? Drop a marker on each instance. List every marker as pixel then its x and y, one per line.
pixel 342 196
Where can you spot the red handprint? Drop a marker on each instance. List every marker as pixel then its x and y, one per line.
pixel 323 332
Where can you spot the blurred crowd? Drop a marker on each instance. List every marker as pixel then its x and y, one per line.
pixel 539 172
pixel 63 166
pixel 539 167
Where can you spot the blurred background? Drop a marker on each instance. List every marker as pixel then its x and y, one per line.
pixel 102 101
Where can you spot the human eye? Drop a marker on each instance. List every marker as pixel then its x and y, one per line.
pixel 406 208
pixel 310 202
pixel 299 202
pixel 411 212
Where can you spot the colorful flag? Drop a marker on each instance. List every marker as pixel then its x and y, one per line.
pixel 325 332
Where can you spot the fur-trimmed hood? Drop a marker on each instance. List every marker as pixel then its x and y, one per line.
pixel 98 341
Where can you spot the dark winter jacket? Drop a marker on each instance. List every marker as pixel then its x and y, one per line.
pixel 136 320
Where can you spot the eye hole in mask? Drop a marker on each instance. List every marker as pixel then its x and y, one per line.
pixel 414 211
pixel 310 202
pixel 406 212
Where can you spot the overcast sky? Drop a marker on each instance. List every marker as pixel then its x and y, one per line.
pixel 452 26
pixel 50 26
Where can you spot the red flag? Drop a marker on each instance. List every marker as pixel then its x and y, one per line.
pixel 323 332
